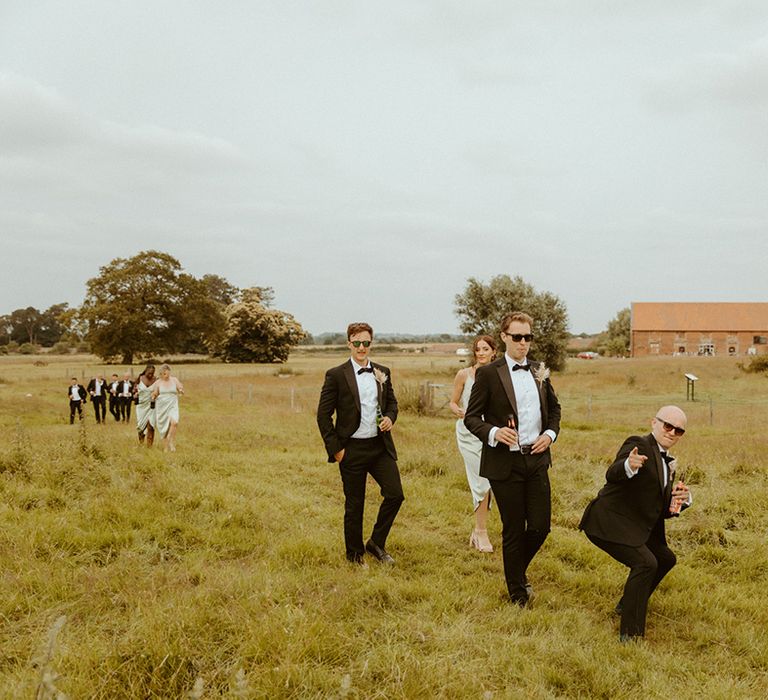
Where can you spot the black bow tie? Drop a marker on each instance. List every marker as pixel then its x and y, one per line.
pixel 365 369
pixel 517 367
pixel 667 457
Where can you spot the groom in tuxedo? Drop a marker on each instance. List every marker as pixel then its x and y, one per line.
pixel 360 393
pixel 626 520
pixel 515 414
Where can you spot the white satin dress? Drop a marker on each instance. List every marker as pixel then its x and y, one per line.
pixel 470 448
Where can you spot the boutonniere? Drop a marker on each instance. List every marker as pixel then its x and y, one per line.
pixel 541 373
pixel 381 380
pixel 380 376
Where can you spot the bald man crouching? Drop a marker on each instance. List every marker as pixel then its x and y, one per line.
pixel 626 520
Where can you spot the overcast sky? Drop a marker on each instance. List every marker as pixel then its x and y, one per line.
pixel 365 159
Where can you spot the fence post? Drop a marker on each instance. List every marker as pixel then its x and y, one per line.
pixel 425 396
pixel 711 412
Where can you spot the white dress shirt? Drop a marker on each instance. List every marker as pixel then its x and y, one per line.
pixel 369 402
pixel 528 407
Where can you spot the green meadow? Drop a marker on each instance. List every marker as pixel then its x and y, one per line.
pixel 219 570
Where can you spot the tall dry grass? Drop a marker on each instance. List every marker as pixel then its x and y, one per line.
pixel 218 571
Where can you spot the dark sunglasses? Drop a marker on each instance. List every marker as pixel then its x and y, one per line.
pixel 670 428
pixel 517 337
pixel 358 343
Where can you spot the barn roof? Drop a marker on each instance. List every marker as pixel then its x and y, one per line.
pixel 699 316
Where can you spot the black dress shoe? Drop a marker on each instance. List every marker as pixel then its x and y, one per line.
pixel 381 554
pixel 520 602
pixel 356 558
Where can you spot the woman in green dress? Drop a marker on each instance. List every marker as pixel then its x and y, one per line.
pixel 142 392
pixel 165 393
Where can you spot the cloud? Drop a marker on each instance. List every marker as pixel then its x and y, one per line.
pixel 36 118
pixel 737 80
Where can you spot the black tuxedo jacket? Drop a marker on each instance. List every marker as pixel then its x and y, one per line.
pixel 490 404
pixel 627 510
pixel 104 388
pixel 340 395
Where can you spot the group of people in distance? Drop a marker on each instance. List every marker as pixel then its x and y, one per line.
pixel 508 417
pixel 118 392
pixel 156 400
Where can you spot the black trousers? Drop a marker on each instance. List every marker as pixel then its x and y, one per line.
pixel 75 406
pixel 524 503
pixel 114 406
pixel 99 407
pixel 363 457
pixel 648 565
pixel 125 407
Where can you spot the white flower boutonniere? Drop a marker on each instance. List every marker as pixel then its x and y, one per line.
pixel 381 380
pixel 541 373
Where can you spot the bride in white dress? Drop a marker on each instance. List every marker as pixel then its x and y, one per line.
pixel 483 351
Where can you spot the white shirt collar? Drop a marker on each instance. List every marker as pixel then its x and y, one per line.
pixel 357 367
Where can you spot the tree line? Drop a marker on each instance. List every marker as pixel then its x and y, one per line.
pixel 147 306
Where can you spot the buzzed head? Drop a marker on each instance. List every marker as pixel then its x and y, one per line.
pixel 668 425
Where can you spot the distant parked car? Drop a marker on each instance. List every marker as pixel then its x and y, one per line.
pixel 463 352
pixel 588 355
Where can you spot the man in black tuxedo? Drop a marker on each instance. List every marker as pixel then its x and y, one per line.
pixel 114 398
pixel 360 393
pixel 77 397
pixel 125 393
pixel 626 520
pixel 514 412
pixel 97 390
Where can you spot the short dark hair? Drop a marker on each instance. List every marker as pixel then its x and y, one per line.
pixel 74 379
pixel 518 316
pixel 358 327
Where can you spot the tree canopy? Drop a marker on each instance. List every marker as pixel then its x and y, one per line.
pixel 32 326
pixel 256 333
pixel 147 305
pixel 481 307
pixel 617 335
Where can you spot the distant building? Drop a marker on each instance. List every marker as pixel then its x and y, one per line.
pixel 707 328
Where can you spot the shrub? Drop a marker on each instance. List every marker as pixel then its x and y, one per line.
pixel 757 364
pixel 61 348
pixel 27 349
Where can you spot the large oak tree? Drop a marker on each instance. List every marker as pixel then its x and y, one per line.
pixel 147 305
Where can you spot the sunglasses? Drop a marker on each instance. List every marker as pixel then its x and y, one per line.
pixel 517 337
pixel 358 343
pixel 670 428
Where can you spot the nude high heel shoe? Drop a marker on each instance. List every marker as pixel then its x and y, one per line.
pixel 479 540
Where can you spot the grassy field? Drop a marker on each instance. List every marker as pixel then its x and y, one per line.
pixel 218 571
